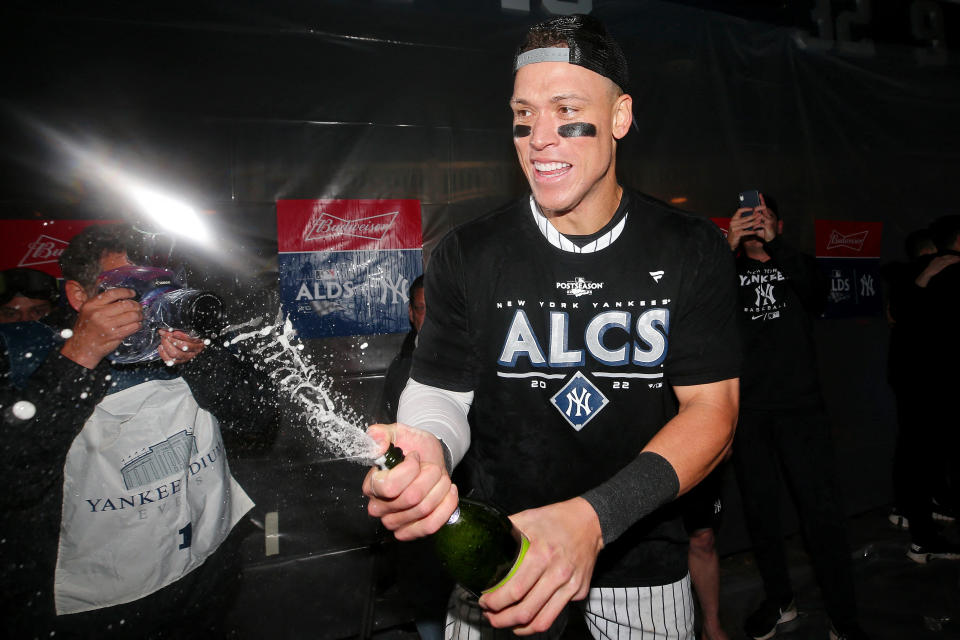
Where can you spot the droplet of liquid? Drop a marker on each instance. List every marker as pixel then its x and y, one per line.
pixel 24 409
pixel 66 334
pixel 364 345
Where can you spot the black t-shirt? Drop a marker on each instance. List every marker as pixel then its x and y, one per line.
pixel 778 300
pixel 572 356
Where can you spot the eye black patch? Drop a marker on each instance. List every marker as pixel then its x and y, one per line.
pixel 521 131
pixel 577 129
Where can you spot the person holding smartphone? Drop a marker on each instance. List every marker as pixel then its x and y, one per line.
pixel 783 428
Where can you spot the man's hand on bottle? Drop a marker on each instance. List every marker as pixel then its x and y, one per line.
pixel 103 321
pixel 176 347
pixel 565 539
pixel 415 498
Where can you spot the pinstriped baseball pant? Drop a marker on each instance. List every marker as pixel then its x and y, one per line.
pixel 624 613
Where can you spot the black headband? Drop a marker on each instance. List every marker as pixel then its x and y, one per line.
pixel 588 46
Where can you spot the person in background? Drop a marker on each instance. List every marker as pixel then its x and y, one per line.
pixel 702 513
pixel 399 370
pixel 702 510
pixel 925 306
pixel 422 581
pixel 578 366
pixel 26 294
pixel 119 502
pixel 783 430
pixel 912 493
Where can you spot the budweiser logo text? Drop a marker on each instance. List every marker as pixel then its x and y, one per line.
pixel 43 250
pixel 325 225
pixel 853 241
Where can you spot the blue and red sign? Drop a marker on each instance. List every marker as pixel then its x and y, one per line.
pixel 346 265
pixel 848 253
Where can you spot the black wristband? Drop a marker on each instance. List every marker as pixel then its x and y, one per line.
pixel 635 491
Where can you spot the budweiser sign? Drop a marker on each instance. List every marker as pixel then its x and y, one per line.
pixel 43 250
pixel 326 225
pixel 852 241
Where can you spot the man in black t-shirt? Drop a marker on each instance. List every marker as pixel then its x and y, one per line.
pixel 783 428
pixel 589 333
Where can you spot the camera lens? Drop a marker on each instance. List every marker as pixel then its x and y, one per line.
pixel 206 313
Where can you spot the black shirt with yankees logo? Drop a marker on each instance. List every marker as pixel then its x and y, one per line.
pixel 778 300
pixel 572 352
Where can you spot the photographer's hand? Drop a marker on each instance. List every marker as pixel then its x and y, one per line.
pixel 103 321
pixel 176 347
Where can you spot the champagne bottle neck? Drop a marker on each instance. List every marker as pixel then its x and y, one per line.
pixel 393 457
pixel 390 459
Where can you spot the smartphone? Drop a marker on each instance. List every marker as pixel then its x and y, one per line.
pixel 749 199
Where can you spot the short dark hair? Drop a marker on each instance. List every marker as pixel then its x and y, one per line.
pixel 29 283
pixel 917 241
pixel 590 45
pixel 416 284
pixel 81 260
pixel 944 231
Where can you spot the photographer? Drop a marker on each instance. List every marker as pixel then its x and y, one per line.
pixel 120 500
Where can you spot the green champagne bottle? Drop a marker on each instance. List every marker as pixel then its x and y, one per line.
pixel 478 546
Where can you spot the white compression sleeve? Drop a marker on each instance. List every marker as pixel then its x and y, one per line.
pixel 443 413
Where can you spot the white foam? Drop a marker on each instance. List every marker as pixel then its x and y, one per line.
pixel 302 383
pixel 24 409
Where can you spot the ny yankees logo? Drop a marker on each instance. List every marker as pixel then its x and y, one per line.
pixel 765 295
pixel 579 401
pixel 582 402
pixel 397 289
pixel 866 285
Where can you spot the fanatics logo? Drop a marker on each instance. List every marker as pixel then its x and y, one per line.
pixel 656 275
pixel 326 224
pixel 579 287
pixel 578 401
pixel 853 241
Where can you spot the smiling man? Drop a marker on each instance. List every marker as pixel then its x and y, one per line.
pixel 578 366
